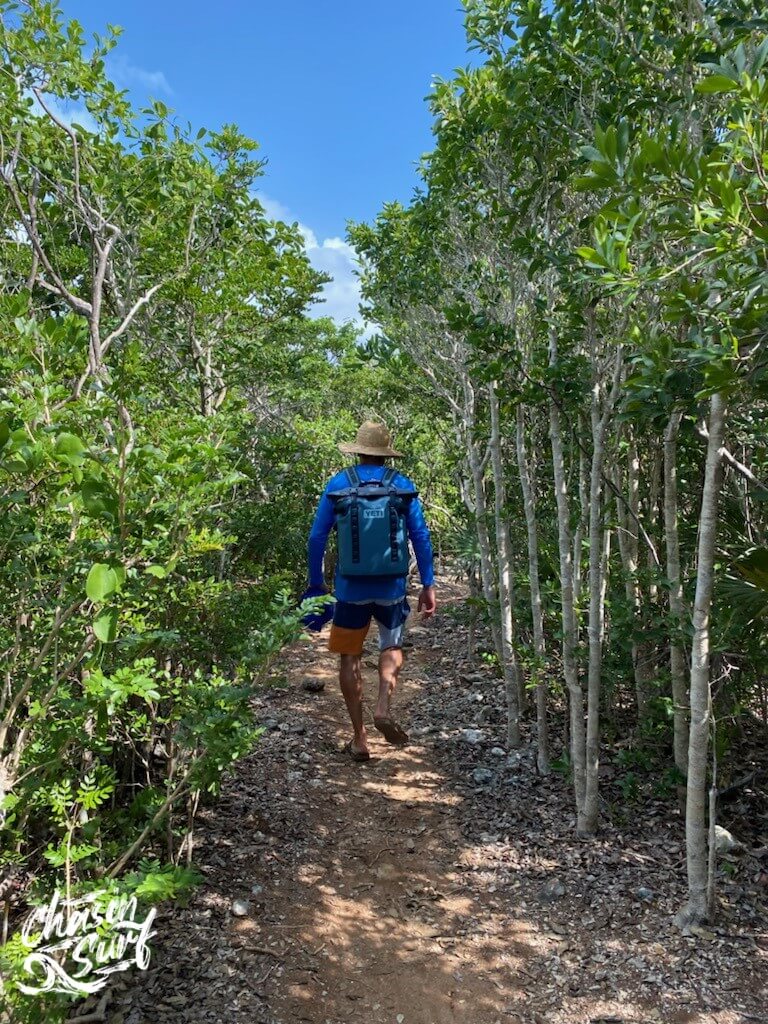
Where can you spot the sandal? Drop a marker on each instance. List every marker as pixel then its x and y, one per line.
pixel 391 731
pixel 356 755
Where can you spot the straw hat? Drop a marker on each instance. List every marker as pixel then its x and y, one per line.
pixel 372 439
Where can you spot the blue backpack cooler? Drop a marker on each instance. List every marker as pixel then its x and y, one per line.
pixel 371 526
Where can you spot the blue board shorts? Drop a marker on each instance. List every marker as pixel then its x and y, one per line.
pixel 352 620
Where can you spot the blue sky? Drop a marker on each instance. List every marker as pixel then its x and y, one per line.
pixel 333 90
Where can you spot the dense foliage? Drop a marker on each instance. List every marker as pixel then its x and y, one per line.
pixel 168 415
pixel 582 281
pixel 572 317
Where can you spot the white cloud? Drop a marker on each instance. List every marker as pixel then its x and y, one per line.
pixel 127 75
pixel 332 256
pixel 342 295
pixel 275 210
pixel 66 112
pixel 18 234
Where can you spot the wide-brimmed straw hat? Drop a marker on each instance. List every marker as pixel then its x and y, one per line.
pixel 372 439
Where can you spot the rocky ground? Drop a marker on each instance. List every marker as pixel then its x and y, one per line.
pixel 440 882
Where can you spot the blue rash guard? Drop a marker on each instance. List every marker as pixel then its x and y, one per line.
pixel 369 588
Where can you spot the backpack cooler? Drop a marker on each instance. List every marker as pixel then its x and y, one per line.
pixel 371 531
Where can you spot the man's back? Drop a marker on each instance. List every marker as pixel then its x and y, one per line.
pixel 361 599
pixel 372 588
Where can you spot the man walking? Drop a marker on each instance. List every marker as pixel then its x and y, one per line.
pixel 381 596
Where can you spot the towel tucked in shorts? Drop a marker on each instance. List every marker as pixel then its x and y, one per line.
pixel 352 620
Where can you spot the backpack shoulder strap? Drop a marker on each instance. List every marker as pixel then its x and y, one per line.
pixel 353 476
pixel 389 477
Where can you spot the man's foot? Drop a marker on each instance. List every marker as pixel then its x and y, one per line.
pixel 355 753
pixel 390 730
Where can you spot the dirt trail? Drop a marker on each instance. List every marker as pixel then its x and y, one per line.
pixel 384 909
pixel 375 892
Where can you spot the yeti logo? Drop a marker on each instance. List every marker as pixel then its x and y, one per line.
pixel 373 513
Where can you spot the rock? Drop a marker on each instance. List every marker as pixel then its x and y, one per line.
pixel 241 908
pixel 257 890
pixel 498 751
pixel 298 728
pixel 725 842
pixel 702 933
pixel 313 685
pixel 294 776
pixel 410 845
pixel 646 895
pixel 305 758
pixel 482 776
pixel 471 736
pixel 271 724
pixel 400 1018
pixel 552 890
pixel 284 727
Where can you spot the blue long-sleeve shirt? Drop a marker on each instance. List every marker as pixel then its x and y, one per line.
pixel 371 588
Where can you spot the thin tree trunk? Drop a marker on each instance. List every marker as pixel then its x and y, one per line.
pixel 570 669
pixel 539 647
pixel 600 414
pixel 504 561
pixel 474 590
pixel 633 584
pixel 595 630
pixel 478 506
pixel 696 909
pixel 645 669
pixel 581 527
pixel 628 537
pixel 676 603
pixel 484 545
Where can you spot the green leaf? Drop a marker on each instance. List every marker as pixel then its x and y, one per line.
pixel 70 448
pixel 156 570
pixel 717 83
pixel 105 626
pixel 754 567
pixel 592 256
pixel 760 56
pixel 101 582
pixel 99 499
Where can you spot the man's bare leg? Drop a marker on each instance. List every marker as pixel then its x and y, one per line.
pixel 390 663
pixel 351 680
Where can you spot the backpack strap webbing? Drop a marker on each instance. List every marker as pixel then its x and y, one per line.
pixel 354 513
pixel 393 524
pixel 389 477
